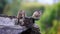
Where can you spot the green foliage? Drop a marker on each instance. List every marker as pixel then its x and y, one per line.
pixel 12 8
pixel 47 19
pixel 2 5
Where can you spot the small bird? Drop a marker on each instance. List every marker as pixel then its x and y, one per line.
pixel 36 14
pixel 21 14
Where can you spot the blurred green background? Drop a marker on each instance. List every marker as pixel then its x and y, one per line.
pixel 49 22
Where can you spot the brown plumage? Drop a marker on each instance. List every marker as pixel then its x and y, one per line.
pixel 29 22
